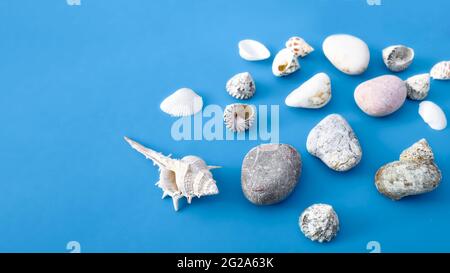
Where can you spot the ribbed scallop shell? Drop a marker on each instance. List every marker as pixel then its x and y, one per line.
pixel 239 117
pixel 241 86
pixel 299 47
pixel 441 71
pixel 183 102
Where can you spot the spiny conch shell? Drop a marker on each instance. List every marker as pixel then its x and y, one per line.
pixel 285 63
pixel 433 115
pixel 183 102
pixel 241 86
pixel 189 177
pixel 314 93
pixel 252 50
pixel 239 117
pixel 398 57
pixel 417 87
pixel 441 71
pixel 299 47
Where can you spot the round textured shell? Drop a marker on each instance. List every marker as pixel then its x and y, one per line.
pixel 319 222
pixel 441 71
pixel 398 58
pixel 241 86
pixel 239 117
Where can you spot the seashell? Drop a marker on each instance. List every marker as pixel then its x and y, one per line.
pixel 183 102
pixel 398 57
pixel 433 115
pixel 285 63
pixel 319 222
pixel 417 87
pixel 441 71
pixel 299 47
pixel 252 50
pixel 239 117
pixel 187 177
pixel 314 93
pixel 241 86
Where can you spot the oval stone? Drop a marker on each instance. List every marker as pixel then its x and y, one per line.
pixel 347 53
pixel 270 173
pixel 381 96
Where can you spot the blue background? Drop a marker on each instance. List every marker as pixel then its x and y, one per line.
pixel 75 79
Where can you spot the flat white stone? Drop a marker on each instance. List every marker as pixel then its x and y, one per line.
pixel 347 53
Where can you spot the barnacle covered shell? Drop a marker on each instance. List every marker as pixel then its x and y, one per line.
pixel 252 50
pixel 417 87
pixel 299 47
pixel 241 86
pixel 239 117
pixel 319 222
pixel 285 63
pixel 183 102
pixel 398 57
pixel 187 177
pixel 441 71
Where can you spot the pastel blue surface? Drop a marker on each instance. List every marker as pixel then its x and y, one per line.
pixel 75 79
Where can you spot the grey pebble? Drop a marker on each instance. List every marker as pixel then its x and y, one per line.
pixel 415 173
pixel 270 173
pixel 334 142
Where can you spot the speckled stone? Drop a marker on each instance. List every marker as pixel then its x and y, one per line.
pixel 381 96
pixel 334 142
pixel 270 173
pixel 415 173
pixel 319 222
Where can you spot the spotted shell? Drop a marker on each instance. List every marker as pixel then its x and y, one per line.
pixel 299 47
pixel 241 86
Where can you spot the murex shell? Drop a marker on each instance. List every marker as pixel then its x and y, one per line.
pixel 239 117
pixel 241 86
pixel 285 63
pixel 252 50
pixel 314 93
pixel 441 71
pixel 417 87
pixel 319 222
pixel 433 115
pixel 398 57
pixel 299 47
pixel 189 177
pixel 415 173
pixel 183 102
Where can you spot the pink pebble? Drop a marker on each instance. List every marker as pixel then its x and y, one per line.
pixel 381 96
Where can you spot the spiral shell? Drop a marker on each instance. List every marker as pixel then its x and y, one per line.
pixel 241 86
pixel 299 47
pixel 239 117
pixel 285 63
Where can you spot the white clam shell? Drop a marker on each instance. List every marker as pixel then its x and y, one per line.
pixel 285 63
pixel 433 115
pixel 239 117
pixel 299 47
pixel 441 71
pixel 187 177
pixel 398 57
pixel 252 50
pixel 183 102
pixel 347 53
pixel 418 86
pixel 314 93
pixel 241 86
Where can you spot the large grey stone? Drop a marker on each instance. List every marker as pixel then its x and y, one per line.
pixel 334 142
pixel 270 173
